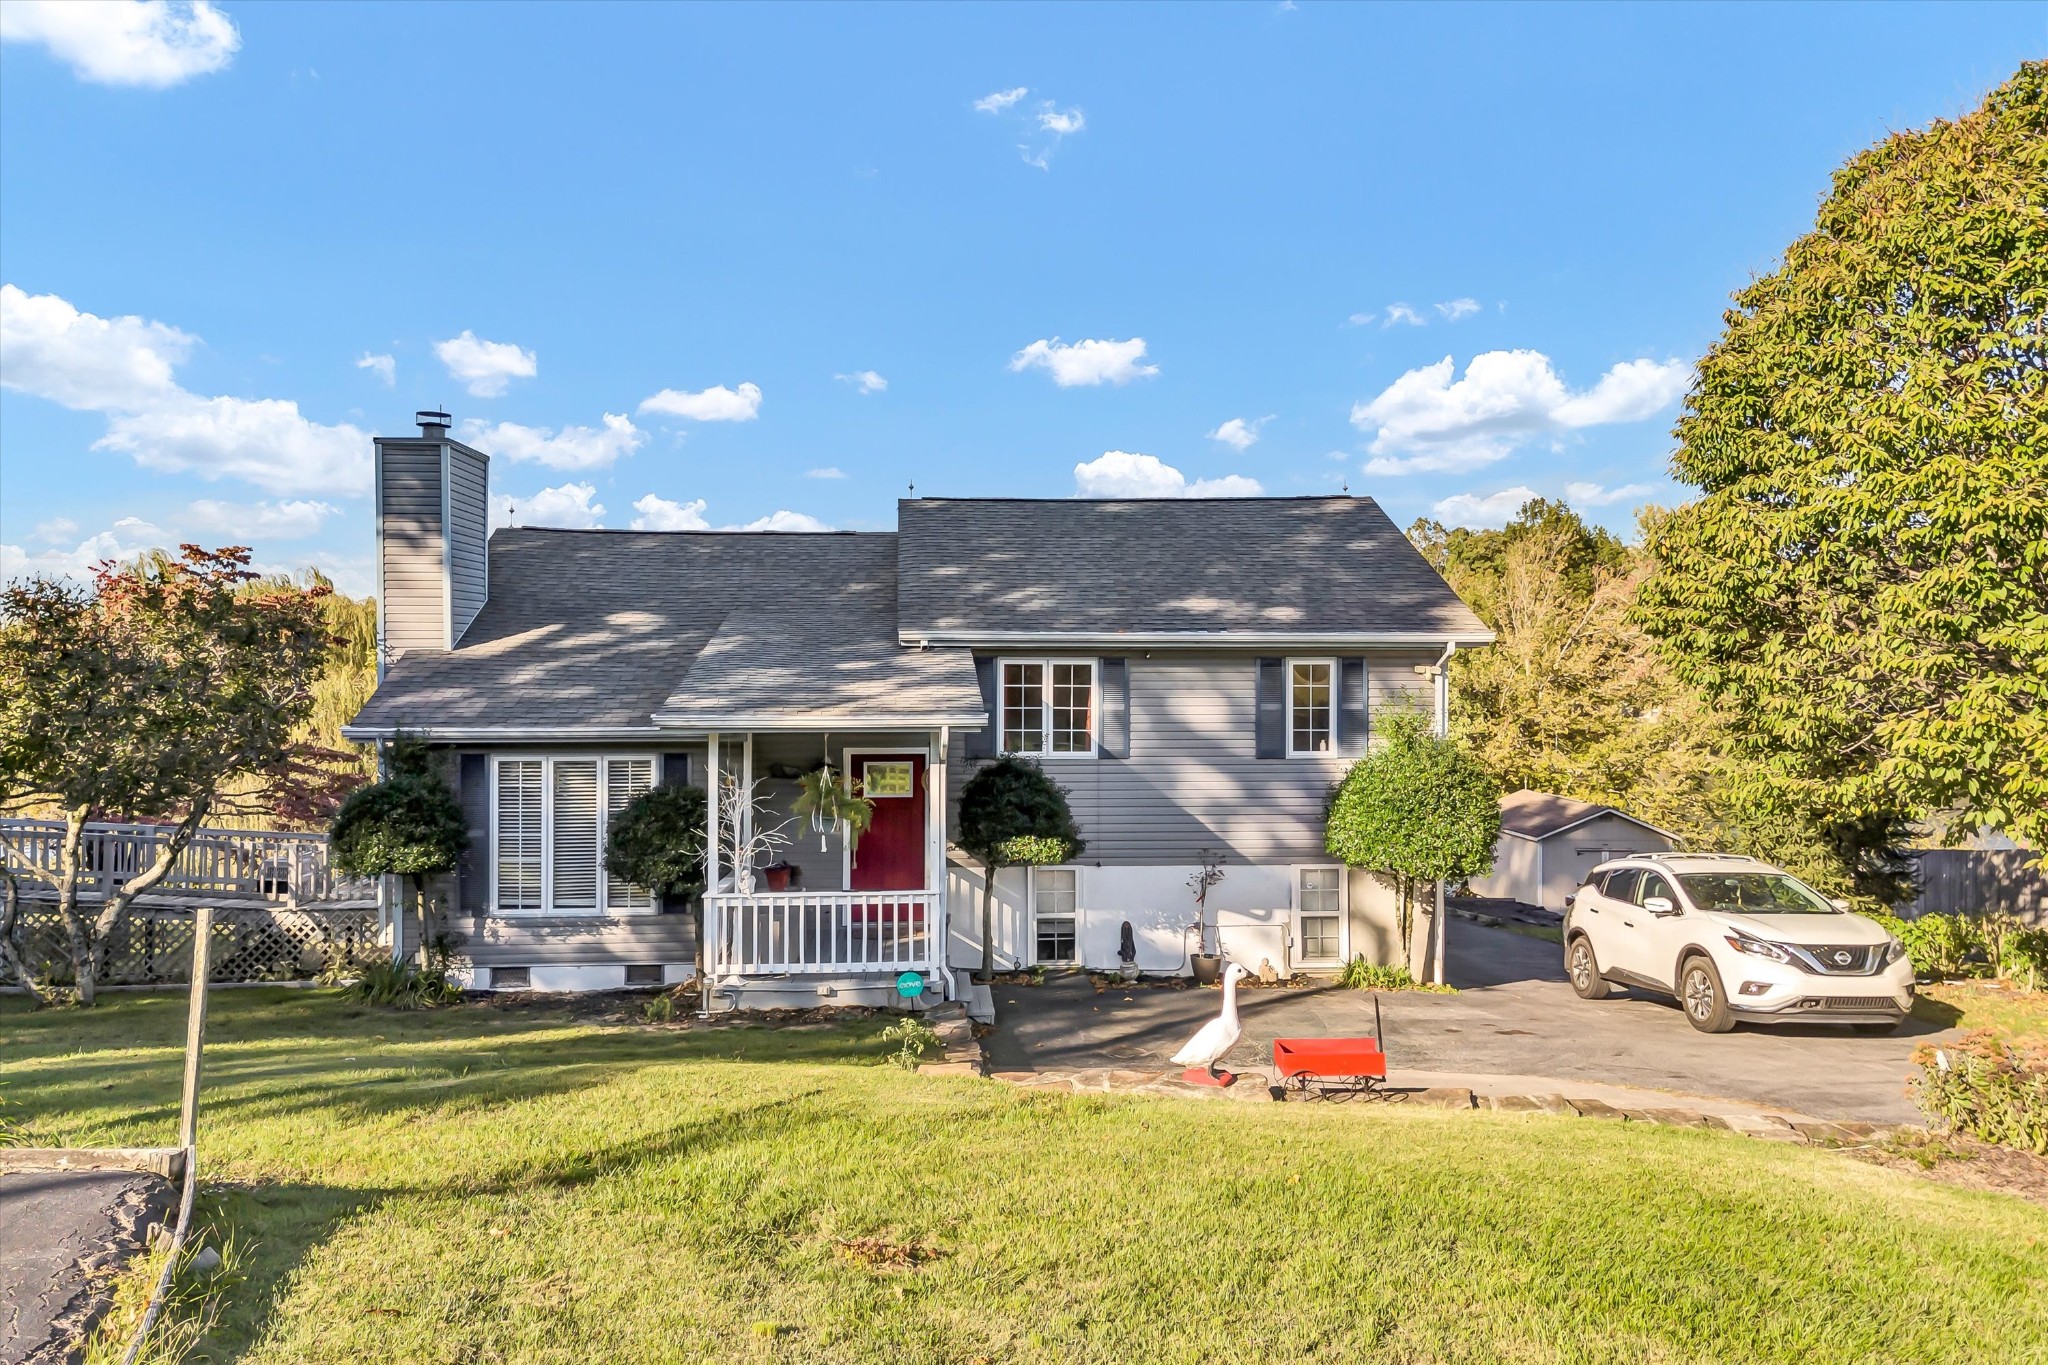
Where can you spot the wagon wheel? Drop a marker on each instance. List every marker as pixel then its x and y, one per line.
pixel 1306 1084
pixel 1341 1088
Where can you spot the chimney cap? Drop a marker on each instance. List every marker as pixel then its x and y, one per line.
pixel 431 421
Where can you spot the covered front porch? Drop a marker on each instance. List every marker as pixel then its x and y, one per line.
pixel 799 910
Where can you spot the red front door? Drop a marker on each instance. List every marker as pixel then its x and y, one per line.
pixel 890 856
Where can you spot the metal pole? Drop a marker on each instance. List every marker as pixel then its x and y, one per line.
pixel 195 1027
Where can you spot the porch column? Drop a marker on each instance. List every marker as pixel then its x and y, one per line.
pixel 713 930
pixel 935 856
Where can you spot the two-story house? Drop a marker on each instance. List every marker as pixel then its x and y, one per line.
pixel 1196 673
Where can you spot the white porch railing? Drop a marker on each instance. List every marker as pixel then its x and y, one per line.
pixel 791 932
pixel 223 864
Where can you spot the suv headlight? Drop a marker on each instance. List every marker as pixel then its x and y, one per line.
pixel 1756 947
pixel 1893 951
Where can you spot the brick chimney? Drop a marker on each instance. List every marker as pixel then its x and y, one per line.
pixel 433 517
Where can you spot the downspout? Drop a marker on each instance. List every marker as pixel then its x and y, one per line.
pixel 1443 730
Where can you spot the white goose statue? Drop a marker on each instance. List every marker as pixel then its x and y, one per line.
pixel 1216 1038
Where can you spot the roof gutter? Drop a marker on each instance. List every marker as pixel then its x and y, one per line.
pixel 671 721
pixel 1230 639
pixel 465 733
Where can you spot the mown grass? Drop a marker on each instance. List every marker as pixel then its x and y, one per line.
pixel 483 1184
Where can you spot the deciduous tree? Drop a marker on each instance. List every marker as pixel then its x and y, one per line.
pixel 1862 588
pixel 1417 809
pixel 165 693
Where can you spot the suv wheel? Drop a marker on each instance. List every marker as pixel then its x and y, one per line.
pixel 1584 969
pixel 1701 996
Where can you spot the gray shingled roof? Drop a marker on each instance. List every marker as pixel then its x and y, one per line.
pixel 603 630
pixel 806 665
pixel 595 629
pixel 1276 566
pixel 1538 815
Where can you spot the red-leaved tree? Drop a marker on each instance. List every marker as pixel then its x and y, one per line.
pixel 169 692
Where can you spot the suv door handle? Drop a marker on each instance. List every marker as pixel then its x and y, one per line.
pixel 1628 923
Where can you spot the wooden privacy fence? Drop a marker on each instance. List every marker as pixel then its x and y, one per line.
pixel 153 946
pixel 1979 881
pixel 219 865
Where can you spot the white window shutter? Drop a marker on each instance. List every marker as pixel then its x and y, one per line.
pixel 577 829
pixel 519 835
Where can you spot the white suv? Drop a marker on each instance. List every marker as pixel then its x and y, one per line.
pixel 1732 939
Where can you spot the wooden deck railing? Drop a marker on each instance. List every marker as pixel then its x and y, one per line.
pixel 221 865
pixel 822 932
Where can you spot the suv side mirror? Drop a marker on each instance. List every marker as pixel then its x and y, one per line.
pixel 1660 905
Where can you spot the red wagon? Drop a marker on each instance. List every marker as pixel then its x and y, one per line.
pixel 1332 1068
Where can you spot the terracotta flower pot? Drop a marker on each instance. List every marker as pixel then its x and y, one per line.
pixel 779 876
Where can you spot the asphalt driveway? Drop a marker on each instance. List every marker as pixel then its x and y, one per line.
pixel 1514 1015
pixel 58 1230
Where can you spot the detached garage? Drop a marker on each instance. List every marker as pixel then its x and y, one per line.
pixel 1548 843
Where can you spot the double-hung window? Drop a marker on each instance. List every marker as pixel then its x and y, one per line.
pixel 1319 915
pixel 1047 706
pixel 1054 915
pixel 549 822
pixel 1311 705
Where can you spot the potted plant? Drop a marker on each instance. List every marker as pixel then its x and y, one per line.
pixel 828 799
pixel 1207 966
pixel 780 875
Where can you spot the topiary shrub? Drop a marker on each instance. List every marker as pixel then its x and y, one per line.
pixel 657 841
pixel 1013 815
pixel 1989 1086
pixel 408 825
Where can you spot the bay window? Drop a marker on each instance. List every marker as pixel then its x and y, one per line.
pixel 1047 706
pixel 549 821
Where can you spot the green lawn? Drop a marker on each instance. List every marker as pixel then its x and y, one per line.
pixel 1984 1004
pixel 488 1184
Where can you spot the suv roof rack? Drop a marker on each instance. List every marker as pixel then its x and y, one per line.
pixel 1681 853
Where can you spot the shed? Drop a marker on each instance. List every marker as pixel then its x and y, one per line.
pixel 1548 843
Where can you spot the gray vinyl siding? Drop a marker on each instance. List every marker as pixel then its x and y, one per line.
pixel 568 940
pixel 410 577
pixel 1193 778
pixel 468 529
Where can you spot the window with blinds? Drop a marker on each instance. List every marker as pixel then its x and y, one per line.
pixel 549 827
pixel 624 779
pixel 518 827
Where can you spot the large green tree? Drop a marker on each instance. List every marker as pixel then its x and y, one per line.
pixel 1862 588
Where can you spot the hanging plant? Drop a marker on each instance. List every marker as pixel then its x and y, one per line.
pixel 827 799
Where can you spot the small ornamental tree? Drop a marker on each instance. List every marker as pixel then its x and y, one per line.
pixel 1417 809
pixel 167 691
pixel 1013 815
pixel 657 841
pixel 408 825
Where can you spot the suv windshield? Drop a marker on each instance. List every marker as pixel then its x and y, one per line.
pixel 1753 893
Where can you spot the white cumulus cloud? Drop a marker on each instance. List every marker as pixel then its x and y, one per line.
pixel 866 381
pixel 1491 510
pixel 1458 309
pixel 383 366
pixel 715 404
pixel 1599 495
pixel 569 448
pixel 1122 474
pixel 1428 419
pixel 1086 362
pixel 1359 319
pixel 1401 312
pixel 486 368
pixel 126 42
pixel 1239 433
pixel 1061 122
pixel 830 471
pixel 1002 99
pixel 245 522
pixel 569 506
pixel 122 368
pixel 664 514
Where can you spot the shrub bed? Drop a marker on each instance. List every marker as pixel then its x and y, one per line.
pixel 1988 1086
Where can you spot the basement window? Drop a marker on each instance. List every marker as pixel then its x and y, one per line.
pixel 644 974
pixel 511 978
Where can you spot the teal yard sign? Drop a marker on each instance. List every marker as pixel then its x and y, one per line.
pixel 910 985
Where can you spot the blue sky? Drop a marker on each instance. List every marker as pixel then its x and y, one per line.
pixel 734 266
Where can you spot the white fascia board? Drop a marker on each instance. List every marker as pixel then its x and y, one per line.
pixel 671 720
pixel 1189 639
pixel 459 734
